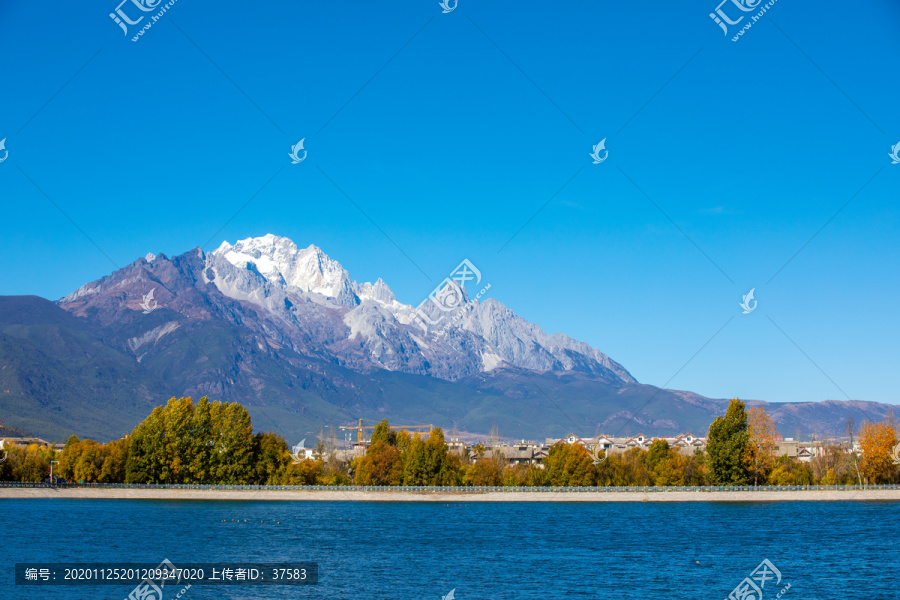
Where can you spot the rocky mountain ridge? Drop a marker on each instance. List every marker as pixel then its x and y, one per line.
pixel 305 299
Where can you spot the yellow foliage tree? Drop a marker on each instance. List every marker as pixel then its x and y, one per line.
pixel 760 455
pixel 485 471
pixel 306 472
pixel 381 465
pixel 877 441
pixel 31 463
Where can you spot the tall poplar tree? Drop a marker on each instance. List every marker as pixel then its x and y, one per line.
pixel 762 449
pixel 180 443
pixel 726 446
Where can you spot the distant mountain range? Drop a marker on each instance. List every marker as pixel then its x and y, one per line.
pixel 286 332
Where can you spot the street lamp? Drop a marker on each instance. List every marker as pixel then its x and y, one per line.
pixel 51 470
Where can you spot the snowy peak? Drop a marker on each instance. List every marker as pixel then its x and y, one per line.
pixel 378 291
pixel 280 263
pixel 257 268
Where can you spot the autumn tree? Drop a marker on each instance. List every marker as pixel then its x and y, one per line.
pixel 669 468
pixel 203 453
pixel 383 433
pixel 663 465
pixel 115 457
pixel 877 440
pixel 180 443
pixel 790 471
pixel 179 440
pixel 612 471
pixel 447 466
pixel 570 465
pixel 834 466
pixel 271 458
pixel 233 442
pixel 694 467
pixel 760 454
pixel 484 471
pixel 89 462
pixel 428 462
pixel 306 472
pixel 29 464
pixel 516 475
pixel 381 464
pixel 146 458
pixel 80 460
pixel 537 476
pixel 67 459
pixel 727 446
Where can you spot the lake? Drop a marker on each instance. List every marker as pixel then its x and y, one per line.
pixel 503 550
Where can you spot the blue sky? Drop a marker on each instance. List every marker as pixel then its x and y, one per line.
pixel 450 132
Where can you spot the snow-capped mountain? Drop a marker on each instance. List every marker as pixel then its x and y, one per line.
pixel 278 264
pixel 290 283
pixel 287 332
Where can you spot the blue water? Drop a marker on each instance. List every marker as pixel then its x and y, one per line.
pixel 482 550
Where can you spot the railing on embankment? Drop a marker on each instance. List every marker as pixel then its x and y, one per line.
pixel 458 489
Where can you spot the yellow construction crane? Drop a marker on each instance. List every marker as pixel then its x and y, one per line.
pixel 413 429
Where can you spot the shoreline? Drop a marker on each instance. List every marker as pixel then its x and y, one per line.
pixel 352 495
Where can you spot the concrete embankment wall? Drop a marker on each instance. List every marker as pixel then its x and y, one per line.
pixel 460 496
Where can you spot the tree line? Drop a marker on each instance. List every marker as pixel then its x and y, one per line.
pixel 741 450
pixel 180 443
pixel 213 443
